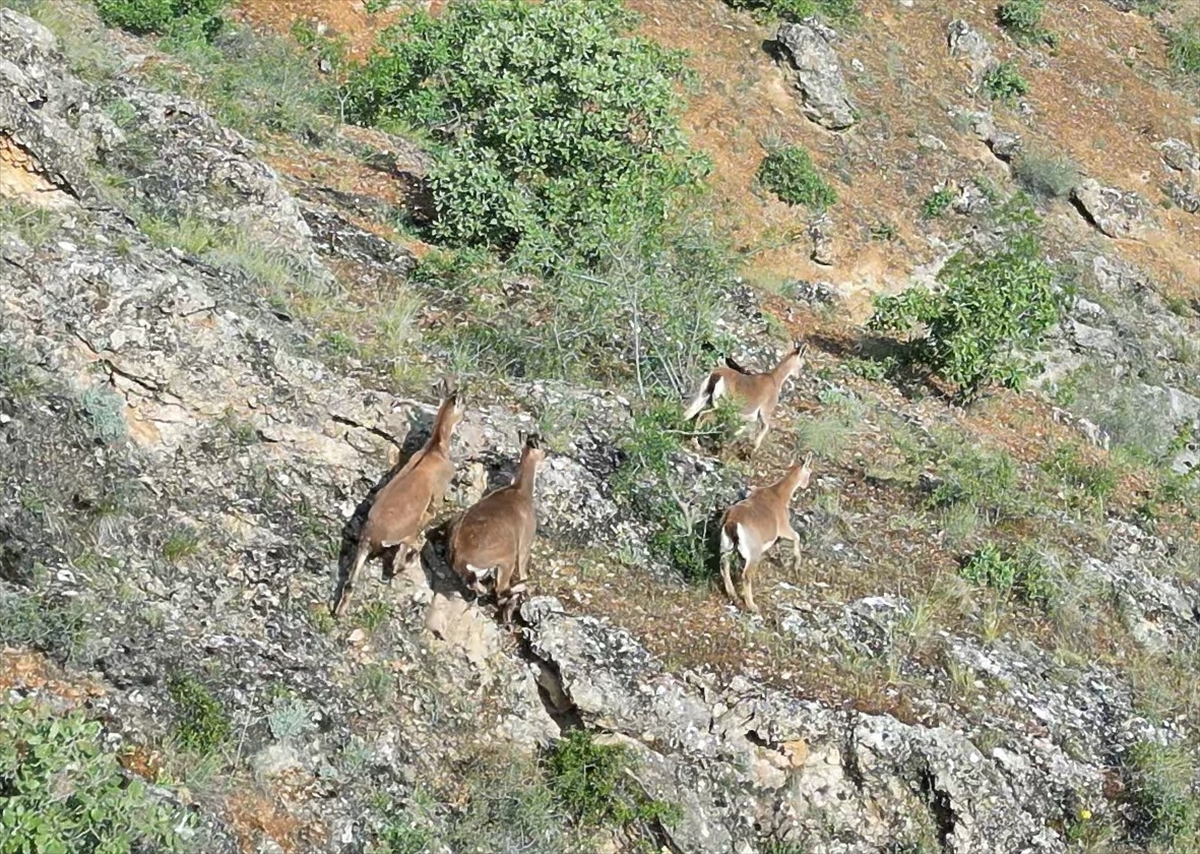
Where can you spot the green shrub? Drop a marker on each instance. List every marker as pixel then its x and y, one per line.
pixel 143 17
pixel 59 629
pixel 558 132
pixel 593 784
pixel 1046 176
pixel 1023 19
pixel 64 794
pixel 1024 573
pixel 789 173
pixel 1090 486
pixel 837 11
pixel 1183 48
pixel 200 723
pixel 1165 809
pixel 1005 83
pixel 937 203
pixel 989 306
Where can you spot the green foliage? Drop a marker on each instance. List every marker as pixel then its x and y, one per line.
pixel 375 614
pixel 104 411
pixel 1046 176
pixel 837 11
pixel 1005 83
pixel 937 203
pixel 63 794
pixel 559 133
pixel 592 782
pixel 989 306
pixel 1183 48
pixel 789 173
pixel 35 225
pixel 1023 19
pixel 648 485
pixel 201 725
pixel 1089 485
pixel 1025 573
pixel 1165 809
pixel 980 479
pixel 180 544
pixel 163 16
pixel 59 629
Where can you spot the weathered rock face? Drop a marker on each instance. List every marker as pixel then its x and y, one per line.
pixel 1117 213
pixel 967 42
pixel 819 78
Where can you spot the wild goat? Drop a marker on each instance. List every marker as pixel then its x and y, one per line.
pixel 754 524
pixel 494 536
pixel 399 511
pixel 757 394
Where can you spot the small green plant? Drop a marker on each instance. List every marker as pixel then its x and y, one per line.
pixel 1024 573
pixel 937 203
pixel 1004 83
pixel 789 173
pixel 64 793
pixel 200 723
pixel 180 544
pixel 1046 176
pixel 983 480
pixel 1183 48
pixel 290 717
pixel 142 17
pixel 1165 809
pixel 884 231
pixel 375 614
pixel 59 629
pixel 592 782
pixel 105 414
pixel 378 681
pixel 1090 485
pixel 989 307
pixel 1023 19
pixel 35 225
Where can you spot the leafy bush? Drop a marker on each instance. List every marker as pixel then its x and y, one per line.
pixel 989 306
pixel 838 11
pixel 1005 83
pixel 201 724
pixel 789 173
pixel 63 794
pixel 1046 176
pixel 1025 573
pixel 592 783
pixel 143 17
pixel 558 132
pixel 1023 18
pixel 937 203
pixel 1183 48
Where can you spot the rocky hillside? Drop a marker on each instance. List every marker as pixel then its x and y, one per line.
pixel 223 308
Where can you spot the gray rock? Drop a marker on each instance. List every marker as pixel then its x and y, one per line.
pixel 1186 197
pixel 823 92
pixel 1117 213
pixel 1178 155
pixel 821 232
pixel 967 42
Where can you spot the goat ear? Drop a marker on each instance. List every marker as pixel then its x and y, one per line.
pixel 801 348
pixel 808 460
pixel 533 441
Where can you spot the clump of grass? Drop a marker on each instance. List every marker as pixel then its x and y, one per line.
pixel 1046 176
pixel 937 203
pixel 375 614
pixel 977 478
pixel 180 544
pixel 789 173
pixel 1165 808
pixel 1089 485
pixel 290 717
pixel 201 724
pixel 592 782
pixel 1023 19
pixel 1183 48
pixel 59 629
pixel 35 225
pixel 1004 83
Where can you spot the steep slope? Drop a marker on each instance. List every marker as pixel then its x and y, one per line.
pixel 188 458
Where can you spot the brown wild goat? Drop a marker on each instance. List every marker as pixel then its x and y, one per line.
pixel 399 510
pixel 757 395
pixel 495 535
pixel 754 524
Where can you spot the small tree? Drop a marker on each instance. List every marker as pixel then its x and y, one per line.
pixel 990 306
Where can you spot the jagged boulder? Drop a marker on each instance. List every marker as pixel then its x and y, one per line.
pixel 1117 213
pixel 823 92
